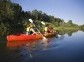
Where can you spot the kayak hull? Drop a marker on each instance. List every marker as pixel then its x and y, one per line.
pixel 23 37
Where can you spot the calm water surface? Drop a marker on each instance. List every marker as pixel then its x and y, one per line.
pixel 62 49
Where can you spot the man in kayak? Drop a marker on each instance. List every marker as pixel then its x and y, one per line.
pixel 31 30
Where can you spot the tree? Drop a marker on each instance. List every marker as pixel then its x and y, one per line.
pixel 10 15
pixel 82 27
pixel 35 14
pixel 51 18
pixel 70 22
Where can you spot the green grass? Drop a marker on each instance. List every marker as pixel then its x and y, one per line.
pixel 65 28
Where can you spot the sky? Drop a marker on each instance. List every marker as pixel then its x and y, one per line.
pixel 64 9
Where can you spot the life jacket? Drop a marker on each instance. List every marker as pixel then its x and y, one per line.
pixel 47 30
pixel 29 30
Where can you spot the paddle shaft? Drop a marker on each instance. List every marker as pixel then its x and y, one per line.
pixel 37 28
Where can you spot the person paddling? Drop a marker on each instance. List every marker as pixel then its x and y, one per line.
pixel 47 29
pixel 31 30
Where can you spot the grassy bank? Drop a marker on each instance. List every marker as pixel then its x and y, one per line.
pixel 65 28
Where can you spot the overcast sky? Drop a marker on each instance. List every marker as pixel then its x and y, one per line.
pixel 64 9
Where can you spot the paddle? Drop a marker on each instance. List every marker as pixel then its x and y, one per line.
pixel 43 23
pixel 44 38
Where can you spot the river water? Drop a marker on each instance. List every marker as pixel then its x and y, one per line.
pixel 65 48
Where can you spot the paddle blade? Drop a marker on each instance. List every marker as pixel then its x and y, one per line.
pixel 45 39
pixel 59 35
pixel 31 20
pixel 43 23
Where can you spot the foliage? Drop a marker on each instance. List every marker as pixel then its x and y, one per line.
pixel 82 27
pixel 10 15
pixel 14 19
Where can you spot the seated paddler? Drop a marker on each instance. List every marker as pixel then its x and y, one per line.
pixel 48 29
pixel 31 29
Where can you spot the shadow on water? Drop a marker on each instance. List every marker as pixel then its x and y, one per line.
pixel 65 48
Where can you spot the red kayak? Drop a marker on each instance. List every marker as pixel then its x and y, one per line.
pixel 24 37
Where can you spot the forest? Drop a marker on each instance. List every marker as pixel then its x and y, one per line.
pixel 14 20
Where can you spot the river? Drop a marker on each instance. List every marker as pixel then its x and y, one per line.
pixel 65 48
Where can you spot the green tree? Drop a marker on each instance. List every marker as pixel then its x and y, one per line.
pixel 70 22
pixel 10 15
pixel 35 14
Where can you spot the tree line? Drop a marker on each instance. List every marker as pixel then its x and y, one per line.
pixel 14 19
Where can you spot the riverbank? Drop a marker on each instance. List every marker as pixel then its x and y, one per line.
pixel 65 28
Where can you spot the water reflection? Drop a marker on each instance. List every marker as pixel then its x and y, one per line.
pixel 69 32
pixel 30 48
pixel 55 42
pixel 27 47
pixel 61 49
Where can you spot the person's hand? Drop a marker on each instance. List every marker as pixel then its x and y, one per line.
pixel 35 33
